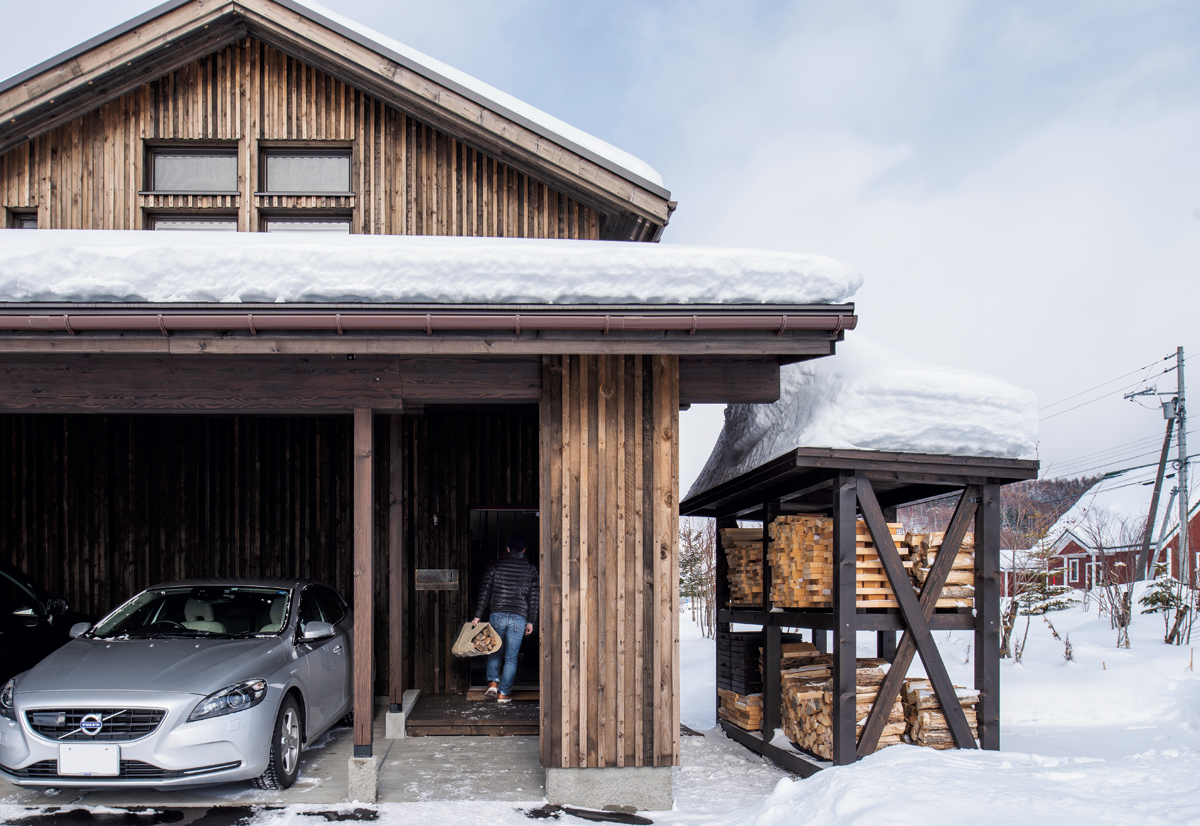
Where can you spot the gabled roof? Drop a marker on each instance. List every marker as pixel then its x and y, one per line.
pixel 179 31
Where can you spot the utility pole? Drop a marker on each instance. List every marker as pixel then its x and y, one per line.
pixel 1185 555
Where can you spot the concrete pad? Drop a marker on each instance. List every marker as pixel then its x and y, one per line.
pixel 628 789
pixel 363 779
pixel 423 769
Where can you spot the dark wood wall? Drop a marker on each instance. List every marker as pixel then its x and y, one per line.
pixel 409 178
pixel 610 561
pixel 98 507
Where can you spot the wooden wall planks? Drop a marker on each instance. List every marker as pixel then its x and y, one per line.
pixel 408 177
pixel 610 443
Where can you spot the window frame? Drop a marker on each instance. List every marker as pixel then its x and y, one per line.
pixel 17 216
pixel 192 217
pixel 223 150
pixel 1073 570
pixel 306 217
pixel 340 151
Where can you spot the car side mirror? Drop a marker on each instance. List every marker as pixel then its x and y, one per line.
pixel 317 630
pixel 57 607
pixel 80 628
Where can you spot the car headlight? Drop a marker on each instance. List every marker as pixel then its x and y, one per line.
pixel 232 698
pixel 6 700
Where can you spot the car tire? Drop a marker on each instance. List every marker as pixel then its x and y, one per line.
pixel 284 763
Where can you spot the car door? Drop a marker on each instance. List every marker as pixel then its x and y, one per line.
pixel 26 634
pixel 322 667
pixel 336 613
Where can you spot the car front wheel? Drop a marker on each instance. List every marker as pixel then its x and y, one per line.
pixel 284 763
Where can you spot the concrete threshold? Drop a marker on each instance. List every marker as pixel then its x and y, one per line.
pixel 412 769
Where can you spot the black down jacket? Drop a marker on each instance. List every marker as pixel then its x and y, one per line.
pixel 510 585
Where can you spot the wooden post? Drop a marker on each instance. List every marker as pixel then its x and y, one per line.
pixel 396 571
pixel 721 583
pixel 364 580
pixel 987 616
pixel 771 636
pixel 844 633
pixel 885 645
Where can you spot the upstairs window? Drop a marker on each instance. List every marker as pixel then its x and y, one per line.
pixel 194 171
pixel 306 172
pixel 308 224
pixel 191 223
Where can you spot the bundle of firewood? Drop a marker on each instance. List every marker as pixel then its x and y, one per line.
pixel 872 588
pixel 808 704
pixel 801 557
pixel 926 722
pixel 743 710
pixel 959 590
pixel 487 640
pixel 744 552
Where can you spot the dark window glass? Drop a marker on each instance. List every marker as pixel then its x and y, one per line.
pixel 331 604
pixel 310 609
pixel 195 170
pixel 15 599
pixel 23 220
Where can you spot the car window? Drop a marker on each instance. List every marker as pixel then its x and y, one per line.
pixel 16 599
pixel 202 610
pixel 331 604
pixel 310 609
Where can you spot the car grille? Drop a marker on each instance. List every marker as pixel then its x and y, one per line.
pixel 119 725
pixel 130 770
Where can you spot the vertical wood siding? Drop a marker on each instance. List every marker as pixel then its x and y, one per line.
pixel 610 669
pixel 408 178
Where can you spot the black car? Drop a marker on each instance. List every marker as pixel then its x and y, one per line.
pixel 32 623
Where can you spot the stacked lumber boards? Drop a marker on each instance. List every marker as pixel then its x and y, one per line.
pixel 871 586
pixel 924 719
pixel 744 711
pixel 744 553
pixel 739 666
pixel 801 557
pixel 808 704
pixel 959 590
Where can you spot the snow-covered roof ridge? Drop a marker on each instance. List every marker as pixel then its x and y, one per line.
pixel 448 75
pixel 870 396
pixel 128 266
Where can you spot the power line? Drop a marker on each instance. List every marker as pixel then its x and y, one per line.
pixel 1103 384
pixel 1098 398
pixel 1110 460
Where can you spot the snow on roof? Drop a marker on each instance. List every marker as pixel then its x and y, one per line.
pixel 1122 499
pixel 871 396
pixel 117 265
pixel 502 100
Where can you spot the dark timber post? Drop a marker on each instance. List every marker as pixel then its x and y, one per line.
pixel 885 645
pixel 364 581
pixel 396 577
pixel 721 584
pixel 845 530
pixel 771 637
pixel 987 616
pixel 770 511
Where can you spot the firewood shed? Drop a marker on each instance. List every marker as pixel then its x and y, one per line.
pixel 858 492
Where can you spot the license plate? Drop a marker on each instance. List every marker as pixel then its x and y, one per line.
pixel 89 760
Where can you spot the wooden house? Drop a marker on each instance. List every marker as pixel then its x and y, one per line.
pixel 380 444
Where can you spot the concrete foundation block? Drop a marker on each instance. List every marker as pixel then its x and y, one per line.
pixel 364 779
pixel 633 788
pixel 395 721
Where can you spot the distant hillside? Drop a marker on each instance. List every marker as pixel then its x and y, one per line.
pixel 1027 509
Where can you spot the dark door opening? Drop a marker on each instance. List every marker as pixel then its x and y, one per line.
pixel 490 530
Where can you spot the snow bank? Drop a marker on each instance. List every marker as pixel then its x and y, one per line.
pixel 502 100
pixel 108 265
pixel 873 397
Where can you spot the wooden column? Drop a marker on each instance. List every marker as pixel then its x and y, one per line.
pixel 610 561
pixel 885 645
pixel 987 616
pixel 771 637
pixel 364 581
pixel 845 530
pixel 396 569
pixel 721 585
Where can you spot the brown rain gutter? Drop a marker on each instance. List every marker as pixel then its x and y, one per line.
pixel 429 323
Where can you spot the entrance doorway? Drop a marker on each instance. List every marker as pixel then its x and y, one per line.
pixel 489 531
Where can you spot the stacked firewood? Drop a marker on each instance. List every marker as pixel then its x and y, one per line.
pixel 486 641
pixel 926 722
pixel 744 553
pixel 801 557
pixel 808 704
pixel 872 588
pixel 743 710
pixel 959 590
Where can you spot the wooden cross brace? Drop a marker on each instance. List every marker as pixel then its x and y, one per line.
pixel 916 615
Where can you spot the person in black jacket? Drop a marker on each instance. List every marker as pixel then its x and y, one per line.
pixel 510 589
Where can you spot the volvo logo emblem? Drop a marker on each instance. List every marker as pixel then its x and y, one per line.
pixel 91 724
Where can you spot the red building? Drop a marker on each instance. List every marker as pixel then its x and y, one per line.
pixel 1171 547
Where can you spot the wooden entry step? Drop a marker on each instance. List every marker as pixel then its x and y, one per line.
pixel 455 714
pixel 479 695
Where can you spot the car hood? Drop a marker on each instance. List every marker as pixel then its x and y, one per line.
pixel 187 665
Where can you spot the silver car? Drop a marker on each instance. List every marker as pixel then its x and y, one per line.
pixel 188 683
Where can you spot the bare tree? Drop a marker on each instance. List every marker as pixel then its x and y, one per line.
pixel 1112 579
pixel 697 570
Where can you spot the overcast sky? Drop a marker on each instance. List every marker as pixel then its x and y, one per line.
pixel 1018 182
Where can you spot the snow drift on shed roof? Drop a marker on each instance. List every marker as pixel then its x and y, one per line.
pixel 872 397
pixel 548 122
pixel 117 265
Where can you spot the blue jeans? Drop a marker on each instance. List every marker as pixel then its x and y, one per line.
pixel 511 628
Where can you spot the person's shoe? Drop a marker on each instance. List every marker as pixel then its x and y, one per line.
pixel 504 698
pixel 492 691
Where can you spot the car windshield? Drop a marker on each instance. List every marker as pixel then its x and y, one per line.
pixel 199 611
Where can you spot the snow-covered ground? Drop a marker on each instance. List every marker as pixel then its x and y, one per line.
pixel 1112 737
